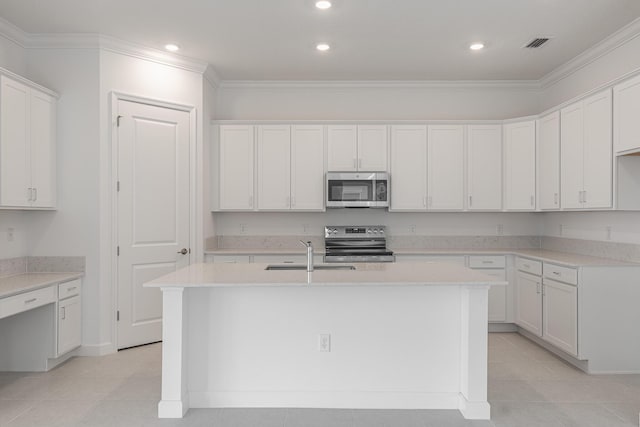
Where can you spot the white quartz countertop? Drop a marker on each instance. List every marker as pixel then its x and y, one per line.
pixel 19 283
pixel 563 258
pixel 365 274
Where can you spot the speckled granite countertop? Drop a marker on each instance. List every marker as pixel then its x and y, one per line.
pixel 20 283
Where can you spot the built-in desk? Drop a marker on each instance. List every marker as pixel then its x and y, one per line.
pixel 40 320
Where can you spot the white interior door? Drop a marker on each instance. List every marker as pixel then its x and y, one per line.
pixel 153 213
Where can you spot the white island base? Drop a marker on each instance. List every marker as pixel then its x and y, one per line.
pixel 256 344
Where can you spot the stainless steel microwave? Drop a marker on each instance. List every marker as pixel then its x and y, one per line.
pixel 357 190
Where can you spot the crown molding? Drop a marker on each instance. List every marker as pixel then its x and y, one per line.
pixel 12 33
pixel 608 45
pixel 321 84
pixel 212 76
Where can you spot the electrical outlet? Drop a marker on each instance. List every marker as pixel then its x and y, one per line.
pixel 243 228
pixel 324 343
pixel 560 229
pixel 500 229
pixel 305 228
pixel 412 229
pixel 608 228
pixel 10 234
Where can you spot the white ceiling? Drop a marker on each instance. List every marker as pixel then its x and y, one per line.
pixel 371 39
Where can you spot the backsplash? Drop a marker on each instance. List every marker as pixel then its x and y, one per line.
pixel 614 250
pixel 41 264
pixel 464 242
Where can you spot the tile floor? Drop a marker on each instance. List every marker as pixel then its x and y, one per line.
pixel 528 386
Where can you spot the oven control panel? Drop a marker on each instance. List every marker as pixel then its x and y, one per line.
pixel 354 231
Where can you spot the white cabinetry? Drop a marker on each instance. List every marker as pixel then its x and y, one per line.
pixel 560 315
pixel 408 167
pixel 586 153
pixel 484 167
pixel 549 161
pixel 27 145
pixel 69 317
pixel 626 131
pixel 307 167
pixel 236 164
pixel 529 302
pixel 274 164
pixel 445 167
pixel 357 147
pixel 495 266
pixel 520 165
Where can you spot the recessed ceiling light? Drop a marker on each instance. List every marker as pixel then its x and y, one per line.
pixel 323 47
pixel 476 46
pixel 172 47
pixel 323 4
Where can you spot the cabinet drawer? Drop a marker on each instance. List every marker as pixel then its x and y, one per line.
pixel 69 289
pixel 27 301
pixel 562 274
pixel 487 261
pixel 529 266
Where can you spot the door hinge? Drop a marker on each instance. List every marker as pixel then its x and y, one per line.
pixel 118 121
pixel 118 250
pixel 118 316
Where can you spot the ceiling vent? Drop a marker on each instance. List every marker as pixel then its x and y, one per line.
pixel 537 42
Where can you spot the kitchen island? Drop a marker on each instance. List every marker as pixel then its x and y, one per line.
pixel 402 336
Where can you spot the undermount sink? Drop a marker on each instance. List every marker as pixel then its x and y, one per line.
pixel 304 267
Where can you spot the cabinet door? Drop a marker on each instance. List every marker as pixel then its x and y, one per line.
pixel 529 302
pixel 571 156
pixel 560 318
pixel 408 167
pixel 626 132
pixel 274 167
pixel 597 152
pixel 372 148
pixel 15 175
pixel 43 149
pixel 307 167
pixel 497 296
pixel 69 324
pixel 549 161
pixel 236 167
pixel 445 167
pixel 484 167
pixel 342 148
pixel 520 165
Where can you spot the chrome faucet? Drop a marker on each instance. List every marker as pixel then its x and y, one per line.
pixel 309 255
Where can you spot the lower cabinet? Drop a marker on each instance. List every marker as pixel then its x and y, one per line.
pixel 69 317
pixel 493 265
pixel 546 306
pixel 270 259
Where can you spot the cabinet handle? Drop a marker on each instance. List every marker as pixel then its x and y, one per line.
pixel 584 196
pixel 29 301
pixel 35 194
pixel 424 201
pixel 430 201
pixel 359 163
pixel 72 289
pixel 355 163
pixel 63 313
pixel 487 262
pixel 532 201
pixel 29 194
pixel 556 273
pixel 526 265
pixel 555 199
pixel 470 201
pixel 537 287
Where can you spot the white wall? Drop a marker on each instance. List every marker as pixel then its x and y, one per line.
pixel 134 76
pixel 399 224
pixel 12 56
pixel 327 102
pixel 73 229
pixel 209 92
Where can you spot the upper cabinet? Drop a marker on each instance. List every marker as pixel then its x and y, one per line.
pixel 357 148
pixel 520 165
pixel 27 145
pixel 408 168
pixel 445 167
pixel 626 98
pixel 235 167
pixel 484 167
pixel 586 153
pixel 307 167
pixel 274 164
pixel 549 161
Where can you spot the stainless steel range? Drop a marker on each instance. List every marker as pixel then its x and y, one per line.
pixel 356 244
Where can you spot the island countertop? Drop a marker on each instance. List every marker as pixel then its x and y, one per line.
pixel 365 274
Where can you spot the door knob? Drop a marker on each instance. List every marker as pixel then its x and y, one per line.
pixel 184 251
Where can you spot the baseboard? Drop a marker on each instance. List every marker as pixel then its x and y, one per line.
pixel 503 327
pixel 474 410
pixel 324 399
pixel 583 365
pixel 96 349
pixel 52 363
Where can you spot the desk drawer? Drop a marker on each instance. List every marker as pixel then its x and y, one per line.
pixel 561 274
pixel 487 261
pixel 27 301
pixel 529 266
pixel 69 289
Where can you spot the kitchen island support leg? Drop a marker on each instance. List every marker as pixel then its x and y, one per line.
pixel 473 362
pixel 174 402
